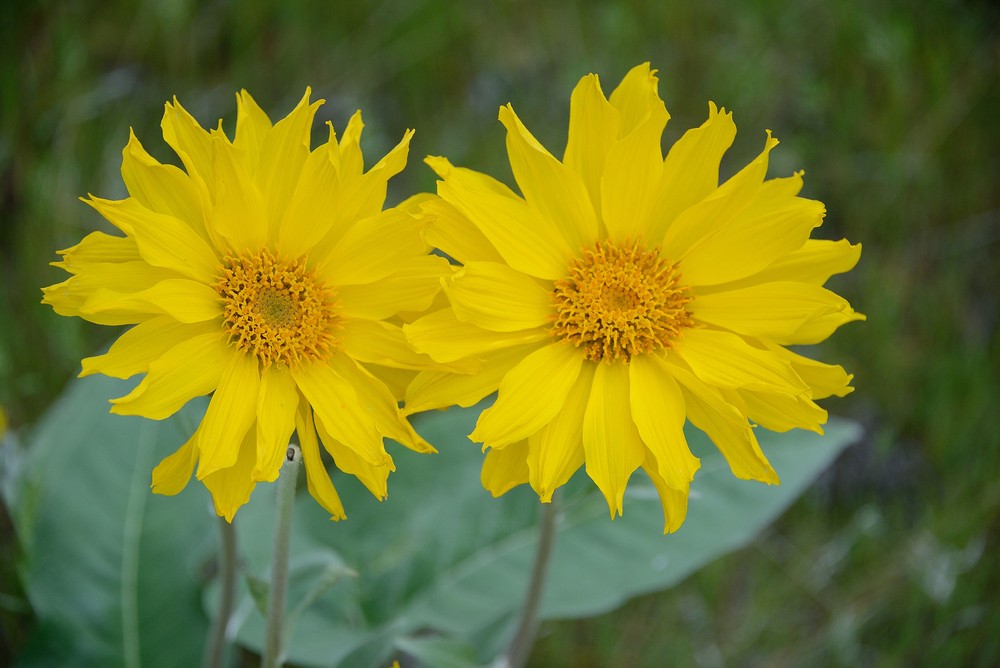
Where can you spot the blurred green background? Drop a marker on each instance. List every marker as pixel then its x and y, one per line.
pixel 889 106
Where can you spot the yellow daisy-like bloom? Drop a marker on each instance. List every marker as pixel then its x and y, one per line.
pixel 267 274
pixel 625 293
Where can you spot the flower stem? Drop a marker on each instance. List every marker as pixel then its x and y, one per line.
pixel 279 567
pixel 524 637
pixel 215 650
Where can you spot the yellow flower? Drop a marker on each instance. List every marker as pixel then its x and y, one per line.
pixel 267 274
pixel 624 293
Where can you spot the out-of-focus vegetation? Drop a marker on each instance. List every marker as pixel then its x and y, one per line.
pixel 889 106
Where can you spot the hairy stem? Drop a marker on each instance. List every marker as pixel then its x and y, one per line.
pixel 215 650
pixel 273 650
pixel 524 637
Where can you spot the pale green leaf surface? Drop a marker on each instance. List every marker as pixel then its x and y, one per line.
pixel 109 568
pixel 115 569
pixel 441 554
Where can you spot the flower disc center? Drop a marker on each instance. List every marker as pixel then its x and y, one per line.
pixel 278 310
pixel 620 300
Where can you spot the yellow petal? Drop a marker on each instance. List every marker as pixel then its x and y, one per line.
pixel 506 468
pixel 531 394
pixel 394 161
pixel 231 486
pixel 414 203
pixel 108 281
pixel 310 215
pixel 318 480
pixel 172 474
pixel 348 461
pixel 815 262
pixel 165 189
pixel 124 276
pixel 691 169
pixel 726 426
pixel 192 368
pixel 674 501
pixel 453 233
pixel 513 227
pixel 188 139
pixel 824 380
pixel 781 412
pixel 445 338
pixel 632 174
pixel 635 98
pixel 362 196
pixel 277 403
pixel 411 287
pixel 163 241
pixel 332 147
pixel 773 225
pixel 336 404
pixel 556 451
pixel 98 248
pixel 252 125
pixel 231 414
pixel 551 188
pixel 373 248
pixel 438 389
pixel 377 402
pixel 822 326
pixel 395 379
pixel 180 298
pixel 378 342
pixel 593 128
pixel 137 348
pixel 64 302
pixel 282 154
pixel 611 443
pixel 658 412
pixel 356 196
pixel 785 312
pixel 707 217
pixel 494 296
pixel 725 360
pixel 352 162
pixel 239 213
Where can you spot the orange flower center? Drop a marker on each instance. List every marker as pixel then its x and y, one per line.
pixel 278 310
pixel 620 300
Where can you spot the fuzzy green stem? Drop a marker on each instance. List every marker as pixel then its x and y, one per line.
pixel 524 637
pixel 273 650
pixel 215 650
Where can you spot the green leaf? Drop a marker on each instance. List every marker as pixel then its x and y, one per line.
pixel 320 571
pixel 439 652
pixel 310 575
pixel 258 589
pixel 440 555
pixel 112 572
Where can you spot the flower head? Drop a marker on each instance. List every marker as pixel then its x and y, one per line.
pixel 267 274
pixel 623 293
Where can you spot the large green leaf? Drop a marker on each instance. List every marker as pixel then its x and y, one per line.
pixel 441 556
pixel 113 573
pixel 438 569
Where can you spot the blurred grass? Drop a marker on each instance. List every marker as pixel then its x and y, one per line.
pixel 890 107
